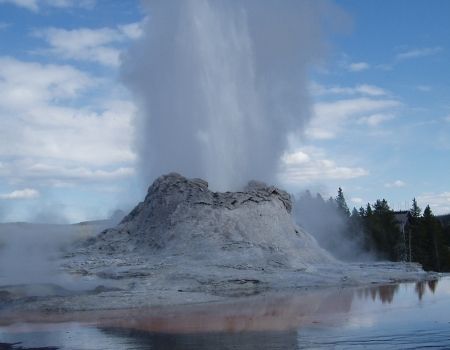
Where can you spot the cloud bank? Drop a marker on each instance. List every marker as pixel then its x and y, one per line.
pixel 36 5
pixel 27 193
pixel 46 136
pixel 100 45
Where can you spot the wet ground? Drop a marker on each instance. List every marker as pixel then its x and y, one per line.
pixel 396 316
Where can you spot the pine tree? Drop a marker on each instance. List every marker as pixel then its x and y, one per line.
pixel 362 212
pixel 368 210
pixel 412 230
pixel 381 206
pixel 427 213
pixel 433 232
pixel 383 231
pixel 429 244
pixel 354 223
pixel 341 203
pixel 415 210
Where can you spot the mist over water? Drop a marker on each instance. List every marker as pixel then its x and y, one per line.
pixel 28 251
pixel 220 84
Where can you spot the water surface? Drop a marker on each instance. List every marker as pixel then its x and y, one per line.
pixel 398 316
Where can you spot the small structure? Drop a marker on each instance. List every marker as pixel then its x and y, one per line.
pixel 404 222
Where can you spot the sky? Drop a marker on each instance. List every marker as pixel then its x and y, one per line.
pixel 379 124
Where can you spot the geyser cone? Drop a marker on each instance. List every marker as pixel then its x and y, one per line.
pixel 181 217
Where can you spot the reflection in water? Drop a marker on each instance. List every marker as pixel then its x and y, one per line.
pixel 207 341
pixel 421 287
pixel 386 293
pixel 432 285
pixel 18 346
pixel 261 313
pixel 383 293
pixel 375 317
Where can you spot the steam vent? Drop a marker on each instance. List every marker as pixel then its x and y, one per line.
pixel 182 219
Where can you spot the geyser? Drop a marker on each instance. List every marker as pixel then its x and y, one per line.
pixel 182 218
pixel 185 243
pixel 220 84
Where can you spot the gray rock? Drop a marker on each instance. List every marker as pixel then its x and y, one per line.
pixel 182 217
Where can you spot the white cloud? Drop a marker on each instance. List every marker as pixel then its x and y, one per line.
pixel 296 158
pixel 438 202
pixel 27 193
pixel 35 124
pixel 58 174
pixel 88 138
pixel 4 25
pixel 69 3
pixel 424 88
pixel 39 127
pixel 447 118
pixel 396 183
pixel 86 44
pixel 28 4
pixel 362 89
pixel 42 170
pixel 35 5
pixel 408 55
pixel 376 119
pixel 357 200
pixel 26 84
pixel 309 164
pixel 330 117
pixel 132 30
pixel 371 90
pixel 416 53
pixel 358 66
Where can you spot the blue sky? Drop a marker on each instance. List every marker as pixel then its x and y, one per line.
pixel 400 49
pixel 380 115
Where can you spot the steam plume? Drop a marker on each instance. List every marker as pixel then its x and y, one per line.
pixel 220 84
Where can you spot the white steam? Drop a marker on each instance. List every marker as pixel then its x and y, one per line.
pixel 31 253
pixel 28 253
pixel 220 84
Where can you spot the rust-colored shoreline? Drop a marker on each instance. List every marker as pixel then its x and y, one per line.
pixel 274 313
pixel 251 314
pixel 271 312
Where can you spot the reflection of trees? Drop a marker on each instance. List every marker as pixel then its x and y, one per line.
pixel 373 293
pixel 384 293
pixel 432 285
pixel 420 289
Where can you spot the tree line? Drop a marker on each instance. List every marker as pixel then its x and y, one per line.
pixel 376 230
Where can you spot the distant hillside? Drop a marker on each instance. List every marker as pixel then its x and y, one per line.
pixel 82 229
pixel 444 219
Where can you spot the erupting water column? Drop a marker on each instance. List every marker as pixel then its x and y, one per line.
pixel 220 84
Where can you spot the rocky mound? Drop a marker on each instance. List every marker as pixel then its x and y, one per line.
pixel 186 244
pixel 182 218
